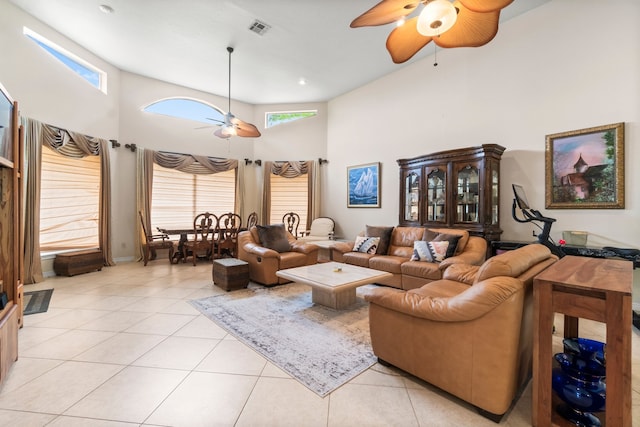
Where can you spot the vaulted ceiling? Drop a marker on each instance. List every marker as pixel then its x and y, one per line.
pixel 184 42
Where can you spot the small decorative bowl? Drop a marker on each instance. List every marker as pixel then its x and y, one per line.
pixel 337 269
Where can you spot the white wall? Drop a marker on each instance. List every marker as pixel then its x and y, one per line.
pixel 547 71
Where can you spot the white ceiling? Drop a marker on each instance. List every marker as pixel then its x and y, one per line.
pixel 184 42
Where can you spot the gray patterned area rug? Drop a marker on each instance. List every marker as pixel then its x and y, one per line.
pixel 320 347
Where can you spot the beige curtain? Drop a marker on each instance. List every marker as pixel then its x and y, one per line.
pixel 33 168
pixel 290 169
pixel 144 187
pixel 71 144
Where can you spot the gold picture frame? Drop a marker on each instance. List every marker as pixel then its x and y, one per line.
pixel 585 168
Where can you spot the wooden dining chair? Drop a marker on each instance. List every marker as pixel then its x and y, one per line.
pixel 152 242
pixel 291 222
pixel 252 220
pixel 229 225
pixel 204 229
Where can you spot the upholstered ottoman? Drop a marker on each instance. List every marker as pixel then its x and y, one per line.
pixel 230 273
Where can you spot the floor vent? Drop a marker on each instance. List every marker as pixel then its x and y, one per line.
pixel 259 27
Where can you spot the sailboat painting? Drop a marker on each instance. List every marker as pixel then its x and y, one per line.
pixel 364 186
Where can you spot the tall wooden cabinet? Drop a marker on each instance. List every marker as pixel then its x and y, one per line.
pixel 11 246
pixel 455 188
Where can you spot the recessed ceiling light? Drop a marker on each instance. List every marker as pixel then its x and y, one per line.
pixel 302 81
pixel 105 8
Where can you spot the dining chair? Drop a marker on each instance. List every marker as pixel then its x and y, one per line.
pixel 152 242
pixel 229 225
pixel 252 220
pixel 291 222
pixel 204 229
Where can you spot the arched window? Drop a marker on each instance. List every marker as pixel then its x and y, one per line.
pixel 185 108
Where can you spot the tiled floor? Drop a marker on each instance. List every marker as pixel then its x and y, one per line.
pixel 122 347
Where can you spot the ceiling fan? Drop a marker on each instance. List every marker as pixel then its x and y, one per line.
pixel 233 126
pixel 461 23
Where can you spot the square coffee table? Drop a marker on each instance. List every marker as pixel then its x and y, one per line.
pixel 333 284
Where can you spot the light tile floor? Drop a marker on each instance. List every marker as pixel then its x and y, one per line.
pixel 122 347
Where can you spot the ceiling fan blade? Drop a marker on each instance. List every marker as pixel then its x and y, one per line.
pixel 484 6
pixel 215 120
pixel 472 29
pixel 246 130
pixel 385 12
pixel 405 41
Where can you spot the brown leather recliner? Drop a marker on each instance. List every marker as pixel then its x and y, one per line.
pixel 469 333
pixel 264 262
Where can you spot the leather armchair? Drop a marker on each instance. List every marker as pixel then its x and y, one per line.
pixel 469 333
pixel 264 262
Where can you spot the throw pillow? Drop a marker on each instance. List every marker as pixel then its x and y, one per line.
pixel 367 245
pixel 384 233
pixel 453 240
pixel 274 237
pixel 429 251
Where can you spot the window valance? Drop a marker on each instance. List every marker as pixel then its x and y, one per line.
pixel 192 163
pixel 71 144
pixel 290 169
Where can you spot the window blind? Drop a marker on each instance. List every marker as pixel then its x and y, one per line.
pixel 289 195
pixel 177 197
pixel 69 202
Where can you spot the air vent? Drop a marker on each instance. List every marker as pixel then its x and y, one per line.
pixel 259 27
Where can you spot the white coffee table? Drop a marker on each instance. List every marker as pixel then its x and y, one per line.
pixel 333 284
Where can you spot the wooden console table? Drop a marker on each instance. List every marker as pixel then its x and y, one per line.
pixel 595 289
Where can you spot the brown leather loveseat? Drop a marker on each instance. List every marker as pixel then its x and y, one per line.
pixel 265 262
pixel 395 256
pixel 470 333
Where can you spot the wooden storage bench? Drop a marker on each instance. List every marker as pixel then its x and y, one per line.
pixel 72 263
pixel 230 273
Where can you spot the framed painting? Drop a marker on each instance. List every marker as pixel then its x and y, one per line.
pixel 363 186
pixel 585 168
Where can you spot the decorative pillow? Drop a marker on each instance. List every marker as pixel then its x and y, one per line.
pixel 367 245
pixel 429 251
pixel 453 240
pixel 274 237
pixel 384 233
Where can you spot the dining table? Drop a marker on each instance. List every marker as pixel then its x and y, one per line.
pixel 184 237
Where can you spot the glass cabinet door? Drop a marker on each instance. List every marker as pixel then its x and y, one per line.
pixel 467 191
pixel 436 195
pixel 495 196
pixel 412 197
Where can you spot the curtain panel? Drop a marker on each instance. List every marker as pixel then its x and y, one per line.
pixel 70 144
pixel 292 169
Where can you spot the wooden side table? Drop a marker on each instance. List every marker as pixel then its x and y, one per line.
pixel 595 289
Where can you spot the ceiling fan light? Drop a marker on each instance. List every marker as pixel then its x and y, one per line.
pixel 436 17
pixel 228 131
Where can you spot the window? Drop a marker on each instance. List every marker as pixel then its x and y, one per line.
pixel 189 109
pixel 177 197
pixel 289 195
pixel 91 74
pixel 69 202
pixel 278 118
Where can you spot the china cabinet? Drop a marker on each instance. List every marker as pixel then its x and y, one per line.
pixel 455 188
pixel 11 291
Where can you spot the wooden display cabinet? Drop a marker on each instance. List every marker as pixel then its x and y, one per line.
pixel 456 188
pixel 11 244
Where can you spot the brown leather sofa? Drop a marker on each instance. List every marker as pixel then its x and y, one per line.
pixel 409 274
pixel 470 333
pixel 264 262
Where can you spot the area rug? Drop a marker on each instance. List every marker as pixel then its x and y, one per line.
pixel 37 301
pixel 320 347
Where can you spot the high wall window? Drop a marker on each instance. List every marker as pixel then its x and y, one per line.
pixel 279 117
pixel 190 109
pixel 69 202
pixel 92 74
pixel 289 195
pixel 177 197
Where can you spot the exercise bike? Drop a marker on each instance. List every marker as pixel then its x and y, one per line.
pixel 534 216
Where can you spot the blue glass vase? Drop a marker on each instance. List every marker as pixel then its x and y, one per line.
pixel 579 381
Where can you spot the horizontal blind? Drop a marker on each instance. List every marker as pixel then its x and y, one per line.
pixel 69 201
pixel 177 197
pixel 289 195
